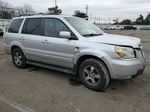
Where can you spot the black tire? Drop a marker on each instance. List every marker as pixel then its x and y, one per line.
pixel 100 69
pixel 18 52
pixel 1 34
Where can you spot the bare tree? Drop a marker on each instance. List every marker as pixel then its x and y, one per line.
pixel 25 10
pixel 6 11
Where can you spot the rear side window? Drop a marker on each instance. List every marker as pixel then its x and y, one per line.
pixel 15 25
pixel 33 26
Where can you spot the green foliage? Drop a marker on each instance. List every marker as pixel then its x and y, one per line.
pixel 139 21
pixel 147 19
pixel 80 14
pixel 126 22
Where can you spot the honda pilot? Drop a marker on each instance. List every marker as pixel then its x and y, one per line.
pixel 75 46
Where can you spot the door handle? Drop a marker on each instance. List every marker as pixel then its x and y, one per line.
pixel 22 38
pixel 45 42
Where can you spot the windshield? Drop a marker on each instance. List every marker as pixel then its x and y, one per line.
pixel 84 27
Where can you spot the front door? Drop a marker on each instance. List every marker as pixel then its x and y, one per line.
pixel 58 51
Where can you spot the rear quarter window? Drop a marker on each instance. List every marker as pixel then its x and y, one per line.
pixel 15 25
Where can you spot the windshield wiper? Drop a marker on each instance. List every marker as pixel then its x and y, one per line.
pixel 89 35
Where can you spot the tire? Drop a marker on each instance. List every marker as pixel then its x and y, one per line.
pixel 93 69
pixel 18 58
pixel 1 34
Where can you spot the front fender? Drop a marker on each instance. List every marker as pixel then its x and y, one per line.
pixel 92 52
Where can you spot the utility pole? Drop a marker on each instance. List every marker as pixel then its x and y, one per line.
pixel 99 20
pixel 87 7
pixel 109 20
pixel 87 11
pixel 55 3
pixel 55 10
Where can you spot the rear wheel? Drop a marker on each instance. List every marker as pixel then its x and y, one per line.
pixel 94 74
pixel 18 58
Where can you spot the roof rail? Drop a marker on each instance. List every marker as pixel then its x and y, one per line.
pixel 37 14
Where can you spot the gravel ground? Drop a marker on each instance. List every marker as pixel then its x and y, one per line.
pixel 36 89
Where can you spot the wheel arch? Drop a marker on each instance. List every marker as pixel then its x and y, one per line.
pixel 16 44
pixel 87 56
pixel 14 47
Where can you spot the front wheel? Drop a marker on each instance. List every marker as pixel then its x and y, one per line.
pixel 94 74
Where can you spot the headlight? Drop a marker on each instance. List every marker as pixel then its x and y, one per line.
pixel 125 52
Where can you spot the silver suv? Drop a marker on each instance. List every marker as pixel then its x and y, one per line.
pixel 75 46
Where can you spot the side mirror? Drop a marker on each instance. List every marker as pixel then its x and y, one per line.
pixel 65 34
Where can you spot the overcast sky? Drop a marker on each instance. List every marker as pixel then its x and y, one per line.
pixel 104 9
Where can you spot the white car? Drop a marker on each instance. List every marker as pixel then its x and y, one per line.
pixel 118 28
pixel 107 28
pixel 113 27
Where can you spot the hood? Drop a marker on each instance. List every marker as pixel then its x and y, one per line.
pixel 116 40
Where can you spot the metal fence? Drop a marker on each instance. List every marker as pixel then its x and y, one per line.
pixel 4 23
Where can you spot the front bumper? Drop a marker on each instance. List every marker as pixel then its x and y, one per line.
pixel 128 68
pixel 138 73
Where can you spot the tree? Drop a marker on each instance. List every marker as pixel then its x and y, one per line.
pixel 54 10
pixel 147 19
pixel 25 10
pixel 6 11
pixel 126 22
pixel 139 20
pixel 80 14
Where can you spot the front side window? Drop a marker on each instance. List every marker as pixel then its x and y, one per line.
pixel 52 27
pixel 33 26
pixel 15 25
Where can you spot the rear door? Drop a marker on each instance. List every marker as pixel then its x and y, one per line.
pixel 32 38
